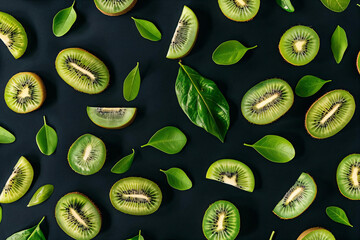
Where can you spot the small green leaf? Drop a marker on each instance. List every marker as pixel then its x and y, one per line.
pixel 6 136
pixel 336 5
pixel 124 164
pixel 229 52
pixel 33 233
pixel 177 179
pixel 147 29
pixel 309 85
pixel 41 195
pixel 132 84
pixel 338 215
pixel 47 139
pixel 0 214
pixel 64 20
pixel 272 235
pixel 339 43
pixel 286 5
pixel 137 237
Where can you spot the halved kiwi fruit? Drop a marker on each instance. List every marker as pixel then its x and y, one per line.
pixel 330 114
pixel 358 62
pixel 232 172
pixel 78 216
pixel 111 117
pixel 239 10
pixel 114 7
pixel 87 155
pixel 316 233
pixel 18 183
pixel 299 45
pixel 82 70
pixel 348 177
pixel 267 101
pixel 299 197
pixel 136 196
pixel 221 221
pixel 185 35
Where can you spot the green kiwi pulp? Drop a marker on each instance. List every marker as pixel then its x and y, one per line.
pixel 221 221
pixel 82 70
pixel 78 216
pixel 348 177
pixel 18 183
pixel 330 114
pixel 232 172
pixel 239 10
pixel 297 199
pixel 87 155
pixel 185 35
pixel 316 233
pixel 114 7
pixel 299 45
pixel 111 118
pixel 136 196
pixel 267 101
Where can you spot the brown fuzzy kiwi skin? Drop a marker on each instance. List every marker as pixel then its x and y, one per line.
pixel 240 21
pixel 338 184
pixel 121 127
pixel 306 232
pixel 357 62
pixel 132 5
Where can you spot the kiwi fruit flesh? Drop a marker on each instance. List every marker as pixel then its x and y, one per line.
pixel 111 117
pixel 299 45
pixel 232 172
pixel 78 216
pixel 316 233
pixel 136 196
pixel 82 70
pixel 348 177
pixel 114 7
pixel 239 10
pixel 221 221
pixel 330 114
pixel 19 182
pixel 185 35
pixel 87 155
pixel 267 101
pixel 299 197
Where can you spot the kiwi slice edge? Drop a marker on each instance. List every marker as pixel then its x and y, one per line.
pixel 358 62
pixel 114 13
pixel 98 115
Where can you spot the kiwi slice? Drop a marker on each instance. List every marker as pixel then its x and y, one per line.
pixel 221 221
pixel 18 183
pixel 329 114
pixel 111 118
pixel 267 101
pixel 78 216
pixel 298 198
pixel 136 196
pixel 232 172
pixel 239 10
pixel 358 62
pixel 348 177
pixel 87 154
pixel 185 35
pixel 82 70
pixel 316 233
pixel 299 45
pixel 114 7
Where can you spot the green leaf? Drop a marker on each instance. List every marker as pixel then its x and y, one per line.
pixel 124 164
pixel 274 148
pixel 64 20
pixel 272 235
pixel 47 139
pixel 339 43
pixel 41 195
pixel 177 179
pixel 336 5
pixel 33 233
pixel 229 52
pixel 286 5
pixel 137 237
pixel 147 29
pixel 202 102
pixel 309 85
pixel 132 84
pixel 338 215
pixel 170 140
pixel 6 136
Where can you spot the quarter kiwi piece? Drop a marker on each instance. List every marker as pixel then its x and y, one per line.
pixel 239 10
pixel 78 216
pixel 232 172
pixel 18 183
pixel 316 233
pixel 221 221
pixel 114 7
pixel 299 45
pixel 330 114
pixel 297 199
pixel 348 177
pixel 82 70
pixel 267 101
pixel 111 117
pixel 136 196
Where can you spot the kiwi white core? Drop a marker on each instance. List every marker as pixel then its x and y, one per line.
pixel 83 71
pixel 230 180
pixel 110 110
pixel 267 101
pixel 330 113
pixel 220 222
pixel 87 152
pixel 137 196
pixel 299 45
pixel 25 92
pixel 75 214
pixel 355 176
pixel 294 194
pixel 240 3
pixel 5 38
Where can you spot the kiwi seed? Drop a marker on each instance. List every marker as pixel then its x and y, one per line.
pixel 239 10
pixel 110 117
pixel 114 7
pixel 348 177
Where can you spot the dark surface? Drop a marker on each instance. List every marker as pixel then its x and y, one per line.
pixel 116 41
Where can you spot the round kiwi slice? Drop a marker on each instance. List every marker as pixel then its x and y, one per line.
pixel 299 197
pixel 18 183
pixel 82 70
pixel 232 172
pixel 78 216
pixel 267 101
pixel 329 114
pixel 239 10
pixel 299 45
pixel 221 221
pixel 87 154
pixel 25 92
pixel 316 233
pixel 114 7
pixel 185 35
pixel 136 196
pixel 348 177
pixel 111 118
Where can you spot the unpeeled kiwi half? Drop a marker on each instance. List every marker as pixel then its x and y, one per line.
pixel 239 10
pixel 348 177
pixel 111 117
pixel 316 233
pixel 114 7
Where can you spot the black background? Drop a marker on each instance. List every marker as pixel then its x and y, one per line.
pixel 116 41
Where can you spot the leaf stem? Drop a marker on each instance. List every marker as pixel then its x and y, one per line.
pixel 145 145
pixel 247 145
pixel 252 47
pixel 272 235
pixel 73 4
pixel 44 120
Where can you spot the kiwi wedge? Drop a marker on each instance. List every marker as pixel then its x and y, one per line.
pixel 267 101
pixel 239 10
pixel 87 155
pixel 114 7
pixel 348 177
pixel 316 233
pixel 221 221
pixel 297 199
pixel 18 183
pixel 330 114
pixel 78 216
pixel 299 45
pixel 111 117
pixel 185 35
pixel 82 70
pixel 232 172
pixel 136 196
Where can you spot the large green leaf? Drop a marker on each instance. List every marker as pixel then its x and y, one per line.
pixel 336 5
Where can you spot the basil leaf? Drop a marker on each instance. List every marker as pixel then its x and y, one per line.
pixel 177 179
pixel 272 235
pixel 274 148
pixel 309 85
pixel 169 140
pixel 336 5
pixel 138 237
pixel 286 5
pixel 132 84
pixel 339 43
pixel 64 20
pixel 47 139
pixel 338 215
pixel 202 102
pixel 147 29
pixel 0 214
pixel 33 233
pixel 41 195
pixel 229 52
pixel 6 136
pixel 124 164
